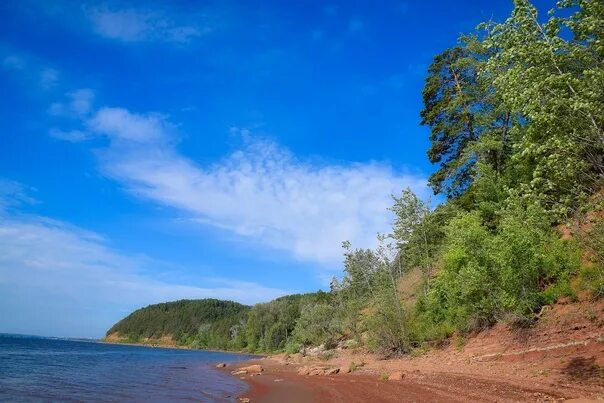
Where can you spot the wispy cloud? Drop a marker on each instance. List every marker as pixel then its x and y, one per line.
pixel 73 136
pixel 79 103
pixel 13 194
pixel 13 62
pixel 261 192
pixel 68 281
pixel 49 78
pixel 30 69
pixel 137 25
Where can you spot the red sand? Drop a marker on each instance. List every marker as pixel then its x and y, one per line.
pixel 281 383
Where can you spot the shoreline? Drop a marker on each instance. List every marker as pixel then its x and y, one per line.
pixel 175 347
pixel 281 381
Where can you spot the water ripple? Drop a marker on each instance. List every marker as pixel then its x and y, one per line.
pixel 34 369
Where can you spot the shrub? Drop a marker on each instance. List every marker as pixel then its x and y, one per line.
pixel 592 280
pixel 591 277
pixel 487 275
pixel 386 328
pixel 318 324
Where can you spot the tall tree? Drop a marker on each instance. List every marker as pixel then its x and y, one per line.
pixel 465 115
pixel 448 111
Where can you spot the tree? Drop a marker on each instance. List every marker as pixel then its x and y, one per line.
pixel 415 233
pixel 359 268
pixel 461 108
pixel 555 83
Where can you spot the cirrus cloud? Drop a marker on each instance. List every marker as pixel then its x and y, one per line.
pixel 137 25
pixel 261 192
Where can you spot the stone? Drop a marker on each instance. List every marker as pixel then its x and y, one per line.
pixel 315 350
pixel 239 372
pixel 316 371
pixel 332 371
pixel 396 376
pixel 345 369
pixel 252 368
pixel 221 365
pixel 303 371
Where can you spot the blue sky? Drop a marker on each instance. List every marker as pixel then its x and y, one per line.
pixel 153 151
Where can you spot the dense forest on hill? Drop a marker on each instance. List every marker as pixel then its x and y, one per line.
pixel 216 324
pixel 209 320
pixel 516 119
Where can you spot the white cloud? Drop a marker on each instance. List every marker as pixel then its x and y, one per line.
pixel 61 280
pixel 13 194
pixel 79 104
pixel 261 192
pixel 81 100
pixel 30 69
pixel 121 125
pixel 73 136
pixel 132 25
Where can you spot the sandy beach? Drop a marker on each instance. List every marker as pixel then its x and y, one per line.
pixel 282 383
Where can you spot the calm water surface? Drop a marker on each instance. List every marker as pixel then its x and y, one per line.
pixel 43 369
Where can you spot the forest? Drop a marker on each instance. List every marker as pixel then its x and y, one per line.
pixel 515 113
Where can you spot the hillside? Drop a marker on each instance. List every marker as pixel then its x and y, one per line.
pixel 216 324
pixel 203 323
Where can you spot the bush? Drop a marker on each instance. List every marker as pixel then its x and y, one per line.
pixel 386 319
pixel 487 275
pixel 592 280
pixel 317 324
pixel 591 277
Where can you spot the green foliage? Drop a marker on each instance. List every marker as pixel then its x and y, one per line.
pixel 488 275
pixel 468 121
pixel 214 324
pixel 208 322
pixel 448 99
pixel 593 241
pixel 591 277
pixel 459 342
pixel 386 327
pixel 270 326
pixel 592 280
pixel 417 234
pixel 562 288
pixel 556 84
pixel 318 324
